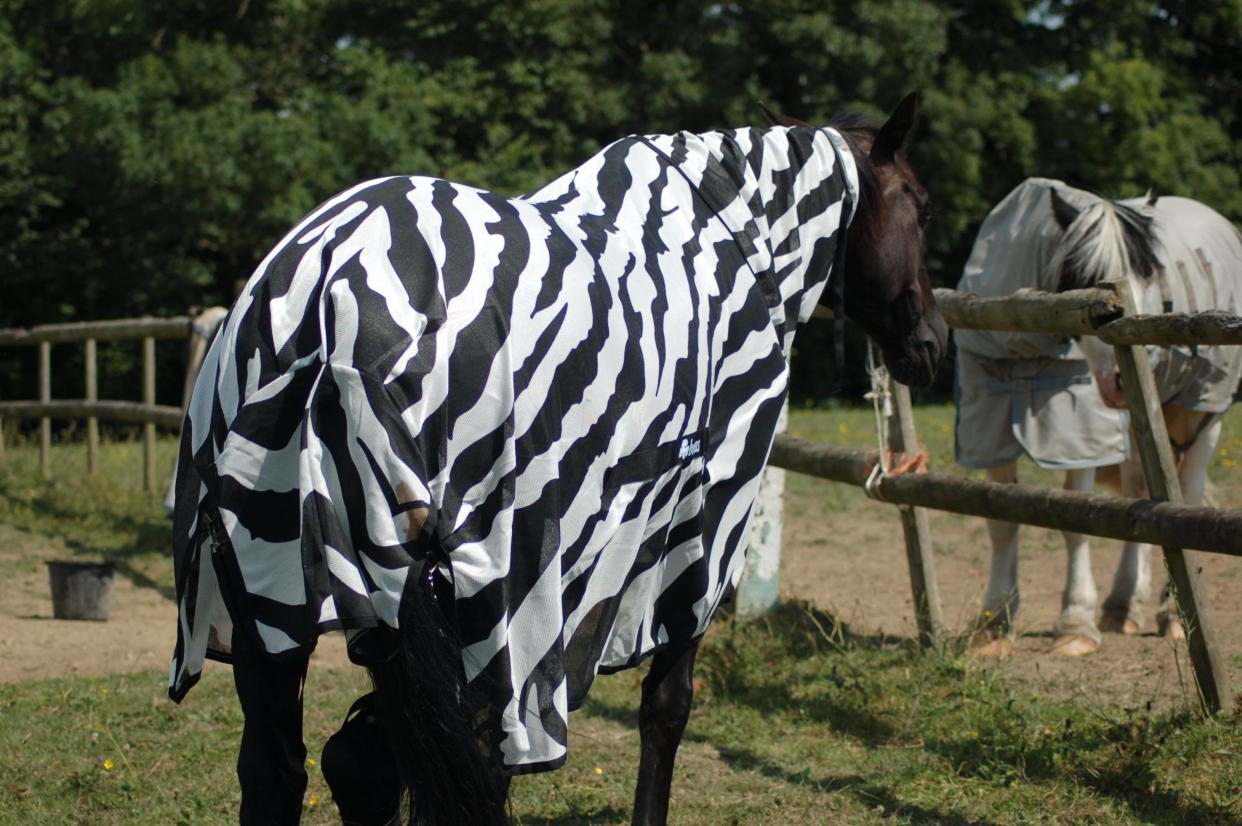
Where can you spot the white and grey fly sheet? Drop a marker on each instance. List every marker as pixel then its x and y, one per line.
pixel 1046 396
pixel 1032 393
pixel 561 402
pixel 1014 392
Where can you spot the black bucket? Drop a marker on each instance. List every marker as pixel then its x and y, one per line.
pixel 80 589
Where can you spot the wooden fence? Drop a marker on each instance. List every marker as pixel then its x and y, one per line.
pixel 1107 312
pixel 150 415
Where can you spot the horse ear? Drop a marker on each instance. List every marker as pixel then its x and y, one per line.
pixel 1151 199
pixel 778 119
pixel 1063 210
pixel 892 134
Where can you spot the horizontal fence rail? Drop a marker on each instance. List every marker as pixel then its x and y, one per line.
pixel 1029 311
pixel 1107 311
pixel 1097 312
pixel 1205 328
pixel 124 328
pixel 1139 520
pixel 161 415
pixel 198 329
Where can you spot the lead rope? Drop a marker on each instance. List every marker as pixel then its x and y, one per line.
pixel 882 400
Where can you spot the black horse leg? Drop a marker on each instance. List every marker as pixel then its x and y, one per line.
pixel 361 769
pixel 272 759
pixel 662 716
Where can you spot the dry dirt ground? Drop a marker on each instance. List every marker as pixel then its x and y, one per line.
pixel 138 635
pixel 851 563
pixel 854 566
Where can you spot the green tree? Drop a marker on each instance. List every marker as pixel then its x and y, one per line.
pixel 151 151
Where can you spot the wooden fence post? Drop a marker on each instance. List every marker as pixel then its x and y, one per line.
pixel 1152 443
pixel 92 423
pixel 45 395
pixel 203 328
pixel 917 528
pixel 148 428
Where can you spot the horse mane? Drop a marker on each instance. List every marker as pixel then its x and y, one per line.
pixel 855 122
pixel 1107 240
pixel 859 131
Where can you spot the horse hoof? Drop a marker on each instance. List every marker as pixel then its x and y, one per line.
pixel 360 768
pixel 1118 624
pixel 1073 645
pixel 986 645
pixel 1170 627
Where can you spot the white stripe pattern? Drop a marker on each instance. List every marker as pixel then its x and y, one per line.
pixel 562 401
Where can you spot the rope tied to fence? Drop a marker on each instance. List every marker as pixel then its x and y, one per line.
pixel 881 398
pixel 886 463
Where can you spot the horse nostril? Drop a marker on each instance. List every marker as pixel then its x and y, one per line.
pixel 932 343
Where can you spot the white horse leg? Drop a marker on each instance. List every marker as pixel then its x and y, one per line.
pixel 1001 599
pixel 1123 612
pixel 1193 477
pixel 1075 628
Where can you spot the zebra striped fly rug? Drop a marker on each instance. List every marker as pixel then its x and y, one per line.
pixel 560 404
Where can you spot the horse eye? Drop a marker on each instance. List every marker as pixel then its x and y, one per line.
pixel 922 205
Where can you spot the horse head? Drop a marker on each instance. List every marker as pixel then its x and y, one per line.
pixel 1104 241
pixel 887 289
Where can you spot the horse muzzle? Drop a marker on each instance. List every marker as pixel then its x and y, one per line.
pixel 915 361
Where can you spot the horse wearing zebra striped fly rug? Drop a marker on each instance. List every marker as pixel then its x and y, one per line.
pixel 508 444
pixel 1057 400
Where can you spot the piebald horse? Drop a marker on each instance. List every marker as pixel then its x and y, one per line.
pixel 1058 399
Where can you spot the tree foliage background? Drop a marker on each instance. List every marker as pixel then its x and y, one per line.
pixel 151 151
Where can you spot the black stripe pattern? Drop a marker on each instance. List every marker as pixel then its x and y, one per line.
pixel 562 402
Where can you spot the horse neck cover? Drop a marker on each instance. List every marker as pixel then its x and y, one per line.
pixel 561 402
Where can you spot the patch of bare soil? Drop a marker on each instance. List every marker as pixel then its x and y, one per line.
pixel 853 564
pixel 850 563
pixel 138 635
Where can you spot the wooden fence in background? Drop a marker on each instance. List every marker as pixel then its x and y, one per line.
pixel 198 329
pixel 1107 312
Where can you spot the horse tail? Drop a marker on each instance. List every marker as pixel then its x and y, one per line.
pixel 451 778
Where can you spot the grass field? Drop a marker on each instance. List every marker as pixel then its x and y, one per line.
pixel 797 721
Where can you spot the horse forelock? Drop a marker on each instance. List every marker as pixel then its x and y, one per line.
pixel 1108 240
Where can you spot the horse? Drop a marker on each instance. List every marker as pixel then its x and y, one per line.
pixel 1058 400
pixel 506 444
